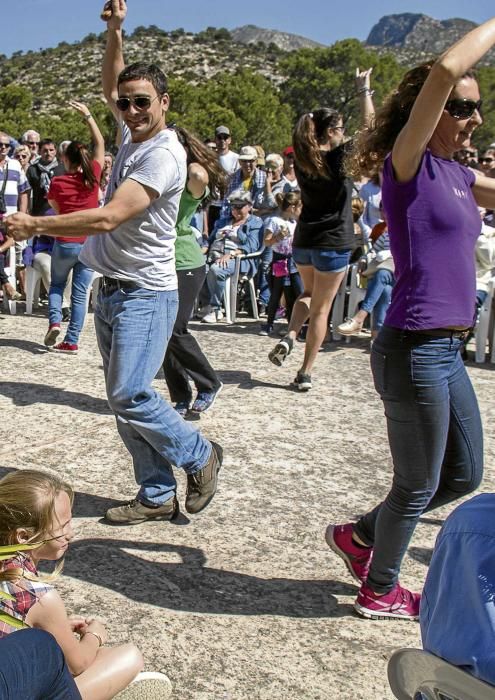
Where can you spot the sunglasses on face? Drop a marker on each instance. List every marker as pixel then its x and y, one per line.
pixel 4 145
pixel 463 108
pixel 487 159
pixel 139 102
pixel 33 143
pixel 222 137
pixel 22 155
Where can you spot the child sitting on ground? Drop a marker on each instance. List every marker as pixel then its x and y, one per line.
pixel 279 232
pixel 35 514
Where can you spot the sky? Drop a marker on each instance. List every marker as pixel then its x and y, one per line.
pixel 35 24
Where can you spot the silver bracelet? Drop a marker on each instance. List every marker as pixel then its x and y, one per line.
pixel 88 116
pixel 366 91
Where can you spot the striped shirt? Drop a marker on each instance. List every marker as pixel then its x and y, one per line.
pixel 16 184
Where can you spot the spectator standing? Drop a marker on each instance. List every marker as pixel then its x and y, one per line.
pixel 32 140
pixel 14 196
pixel 249 178
pixel 229 161
pixel 289 172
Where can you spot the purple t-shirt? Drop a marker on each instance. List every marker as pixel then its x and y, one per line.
pixel 433 222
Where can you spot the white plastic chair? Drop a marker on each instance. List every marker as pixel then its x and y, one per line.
pixel 232 286
pixel 33 282
pixel 414 674
pixel 485 322
pixel 8 304
pixel 356 295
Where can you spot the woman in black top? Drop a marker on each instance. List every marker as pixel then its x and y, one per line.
pixel 324 236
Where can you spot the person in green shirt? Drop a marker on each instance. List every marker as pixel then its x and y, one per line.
pixel 184 359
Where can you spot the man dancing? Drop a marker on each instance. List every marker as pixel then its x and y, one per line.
pixel 131 243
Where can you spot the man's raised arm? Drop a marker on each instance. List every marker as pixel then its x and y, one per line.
pixel 113 60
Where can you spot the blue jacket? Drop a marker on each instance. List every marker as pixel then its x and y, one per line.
pixel 457 613
pixel 250 237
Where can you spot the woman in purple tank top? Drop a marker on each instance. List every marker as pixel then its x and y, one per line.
pixel 433 419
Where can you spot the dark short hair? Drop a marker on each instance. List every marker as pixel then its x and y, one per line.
pixel 46 142
pixel 145 71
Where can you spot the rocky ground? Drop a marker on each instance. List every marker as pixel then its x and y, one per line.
pixel 244 601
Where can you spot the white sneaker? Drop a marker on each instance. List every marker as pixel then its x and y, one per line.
pixel 213 317
pixel 147 686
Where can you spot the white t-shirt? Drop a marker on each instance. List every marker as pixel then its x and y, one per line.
pixel 229 162
pixel 274 224
pixel 142 249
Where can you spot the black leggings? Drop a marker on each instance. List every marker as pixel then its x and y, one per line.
pixel 184 358
pixel 291 292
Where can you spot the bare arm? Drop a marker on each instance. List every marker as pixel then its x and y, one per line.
pixel 484 191
pixel 429 105
pixel 365 95
pixel 96 135
pixel 49 614
pixel 129 200
pixel 23 202
pixel 197 180
pixel 113 60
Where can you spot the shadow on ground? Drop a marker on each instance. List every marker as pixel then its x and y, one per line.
pixel 182 581
pixel 26 394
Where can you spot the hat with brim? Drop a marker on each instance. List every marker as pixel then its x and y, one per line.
pixel 248 153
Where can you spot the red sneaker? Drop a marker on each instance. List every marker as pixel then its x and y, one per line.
pixel 357 559
pixel 52 335
pixel 68 348
pixel 400 604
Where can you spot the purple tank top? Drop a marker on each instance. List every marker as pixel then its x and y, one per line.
pixel 433 222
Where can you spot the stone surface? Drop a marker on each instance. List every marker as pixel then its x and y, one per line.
pixel 244 601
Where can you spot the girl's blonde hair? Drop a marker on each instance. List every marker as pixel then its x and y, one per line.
pixel 27 501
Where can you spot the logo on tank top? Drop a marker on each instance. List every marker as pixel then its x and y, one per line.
pixel 460 193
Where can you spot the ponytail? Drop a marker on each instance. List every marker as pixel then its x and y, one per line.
pixel 287 199
pixel 308 134
pixel 197 152
pixel 78 155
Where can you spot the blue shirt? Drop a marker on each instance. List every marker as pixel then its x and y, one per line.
pixel 457 613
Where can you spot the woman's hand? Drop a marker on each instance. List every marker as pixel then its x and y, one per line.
pixel 363 80
pixel 81 108
pixel 19 226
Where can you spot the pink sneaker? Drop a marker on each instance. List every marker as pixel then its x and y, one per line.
pixel 357 559
pixel 67 348
pixel 52 335
pixel 399 603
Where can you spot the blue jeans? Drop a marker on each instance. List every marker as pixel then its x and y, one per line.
pixel 322 259
pixel 65 257
pixel 264 275
pixel 216 279
pixel 32 667
pixel 435 436
pixel 378 295
pixel 133 327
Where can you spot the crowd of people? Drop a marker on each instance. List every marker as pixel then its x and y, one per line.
pixel 162 225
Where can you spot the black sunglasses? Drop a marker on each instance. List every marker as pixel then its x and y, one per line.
pixel 140 102
pixel 463 108
pixel 222 137
pixel 486 159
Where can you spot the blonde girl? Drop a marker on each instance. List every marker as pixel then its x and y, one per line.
pixel 35 513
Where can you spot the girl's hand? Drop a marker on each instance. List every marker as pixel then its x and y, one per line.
pixel 80 107
pixel 363 79
pixel 78 624
pixel 99 629
pixel 224 260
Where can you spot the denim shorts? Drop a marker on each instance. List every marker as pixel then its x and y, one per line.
pixel 321 259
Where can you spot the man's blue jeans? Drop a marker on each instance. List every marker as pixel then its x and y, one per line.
pixel 216 279
pixel 133 326
pixel 32 667
pixel 65 257
pixel 435 436
pixel 378 295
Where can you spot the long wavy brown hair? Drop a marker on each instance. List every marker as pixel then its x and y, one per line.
pixel 372 145
pixel 197 152
pixel 308 135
